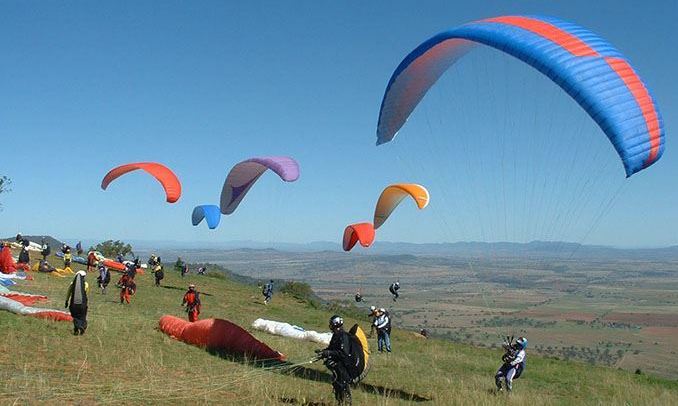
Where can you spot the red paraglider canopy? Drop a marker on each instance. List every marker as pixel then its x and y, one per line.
pixel 363 232
pixel 218 334
pixel 24 298
pixel 167 178
pixel 7 264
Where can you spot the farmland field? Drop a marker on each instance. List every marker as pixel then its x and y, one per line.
pixel 620 313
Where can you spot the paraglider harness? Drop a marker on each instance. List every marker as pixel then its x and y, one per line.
pixel 158 273
pixel 127 282
pixel 510 352
pixel 153 261
pixel 394 290
pixel 23 255
pixel 196 303
pixel 46 250
pixel 267 291
pixel 131 268
pixel 44 266
pixel 355 363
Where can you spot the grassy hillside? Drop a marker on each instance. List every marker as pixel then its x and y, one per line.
pixel 124 359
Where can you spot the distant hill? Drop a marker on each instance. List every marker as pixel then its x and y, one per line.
pixel 531 250
pixel 53 242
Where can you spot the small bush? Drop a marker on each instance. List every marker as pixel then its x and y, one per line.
pixel 300 291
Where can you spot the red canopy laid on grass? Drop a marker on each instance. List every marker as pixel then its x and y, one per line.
pixel 218 334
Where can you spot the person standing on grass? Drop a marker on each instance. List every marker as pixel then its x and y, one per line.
pixel 513 363
pixel 24 257
pixel 91 261
pixel 373 317
pixel 67 258
pixel 127 288
pixel 383 326
pixel 46 250
pixel 76 302
pixel 192 303
pixel 159 274
pixel 337 355
pixel 268 292
pixel 104 278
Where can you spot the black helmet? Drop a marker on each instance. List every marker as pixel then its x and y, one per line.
pixel 336 321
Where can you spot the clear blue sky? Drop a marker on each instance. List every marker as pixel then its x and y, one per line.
pixel 202 85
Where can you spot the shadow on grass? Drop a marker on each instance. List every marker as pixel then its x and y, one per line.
pixel 299 371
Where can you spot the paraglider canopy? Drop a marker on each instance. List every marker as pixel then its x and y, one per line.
pixel 209 212
pixel 167 178
pixel 245 174
pixel 360 232
pixel 588 68
pixel 394 194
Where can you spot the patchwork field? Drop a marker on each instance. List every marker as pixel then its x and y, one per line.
pixel 620 313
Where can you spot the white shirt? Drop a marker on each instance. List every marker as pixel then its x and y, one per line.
pixel 520 357
pixel 381 321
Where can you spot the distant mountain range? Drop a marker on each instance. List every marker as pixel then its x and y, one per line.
pixel 53 242
pixel 533 249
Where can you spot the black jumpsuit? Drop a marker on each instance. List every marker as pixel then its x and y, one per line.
pixel 77 304
pixel 337 358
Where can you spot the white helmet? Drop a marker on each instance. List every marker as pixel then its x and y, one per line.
pixel 81 273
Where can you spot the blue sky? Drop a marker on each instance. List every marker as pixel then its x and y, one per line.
pixel 200 86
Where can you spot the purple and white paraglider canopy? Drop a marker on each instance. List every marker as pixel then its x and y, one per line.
pixel 245 174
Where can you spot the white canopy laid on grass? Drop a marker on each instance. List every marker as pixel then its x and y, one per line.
pixel 18 308
pixel 288 330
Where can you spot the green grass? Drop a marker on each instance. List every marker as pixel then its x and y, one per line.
pixel 124 359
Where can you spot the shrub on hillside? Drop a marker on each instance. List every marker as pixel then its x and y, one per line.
pixel 111 249
pixel 300 291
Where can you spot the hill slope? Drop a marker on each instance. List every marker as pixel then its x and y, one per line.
pixel 123 358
